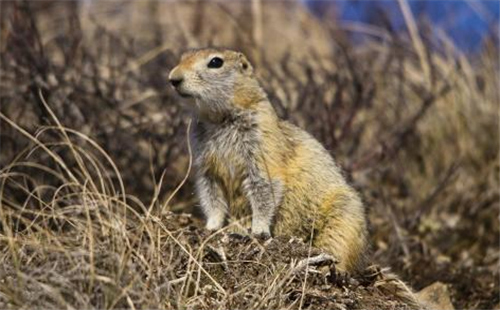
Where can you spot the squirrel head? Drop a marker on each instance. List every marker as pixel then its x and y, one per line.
pixel 220 80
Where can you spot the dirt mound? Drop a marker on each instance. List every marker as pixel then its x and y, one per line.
pixel 196 269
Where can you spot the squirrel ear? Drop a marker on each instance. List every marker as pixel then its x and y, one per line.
pixel 245 65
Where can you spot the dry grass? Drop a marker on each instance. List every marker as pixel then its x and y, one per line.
pixel 83 243
pixel 93 148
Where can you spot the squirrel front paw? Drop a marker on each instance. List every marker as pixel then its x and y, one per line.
pixel 262 236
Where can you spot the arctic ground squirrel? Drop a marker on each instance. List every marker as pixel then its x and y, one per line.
pixel 268 174
pixel 252 164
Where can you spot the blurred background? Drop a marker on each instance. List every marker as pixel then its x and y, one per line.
pixel 465 23
pixel 404 94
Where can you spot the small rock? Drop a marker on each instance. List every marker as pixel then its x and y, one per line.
pixel 436 297
pixel 353 282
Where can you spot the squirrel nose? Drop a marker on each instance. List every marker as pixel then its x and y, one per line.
pixel 175 81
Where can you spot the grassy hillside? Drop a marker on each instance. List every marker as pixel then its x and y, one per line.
pixel 95 157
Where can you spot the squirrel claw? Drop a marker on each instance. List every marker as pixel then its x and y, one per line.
pixel 239 237
pixel 263 236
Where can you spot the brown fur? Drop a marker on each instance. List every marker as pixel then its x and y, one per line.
pixel 265 173
pixel 314 197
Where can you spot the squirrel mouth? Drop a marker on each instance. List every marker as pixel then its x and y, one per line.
pixel 183 94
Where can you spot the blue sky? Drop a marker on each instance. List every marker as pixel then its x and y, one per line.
pixel 465 22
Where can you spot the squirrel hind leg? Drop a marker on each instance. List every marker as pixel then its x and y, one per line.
pixel 348 248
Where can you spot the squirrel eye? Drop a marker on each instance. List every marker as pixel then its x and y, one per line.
pixel 215 62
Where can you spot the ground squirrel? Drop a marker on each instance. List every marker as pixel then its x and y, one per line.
pixel 252 164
